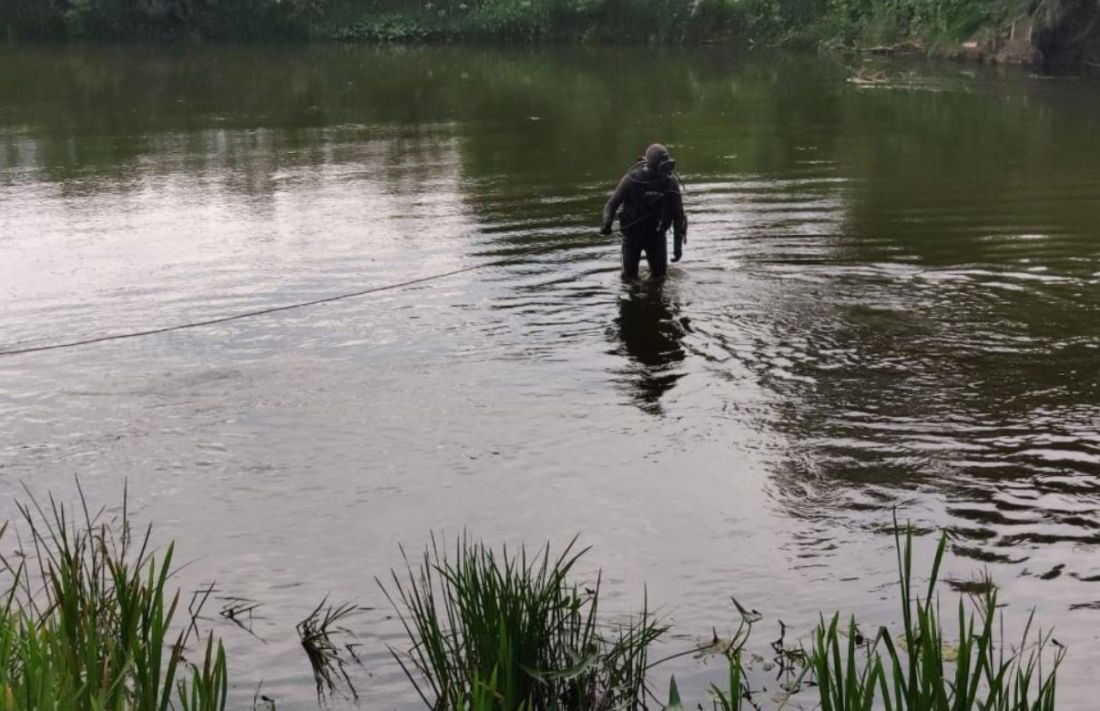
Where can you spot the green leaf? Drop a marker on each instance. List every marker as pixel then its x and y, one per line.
pixel 673 697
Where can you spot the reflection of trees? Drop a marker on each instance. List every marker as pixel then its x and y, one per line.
pixel 101 119
pixel 964 163
pixel 888 387
pixel 558 117
pixel 936 339
pixel 548 116
pixel 650 336
pixel 882 374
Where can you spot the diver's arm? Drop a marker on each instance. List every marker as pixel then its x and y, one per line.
pixel 679 223
pixel 612 206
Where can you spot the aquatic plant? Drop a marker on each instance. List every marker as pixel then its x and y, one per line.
pixel 327 660
pixel 491 631
pixel 729 699
pixel 87 621
pixel 501 632
pixel 923 669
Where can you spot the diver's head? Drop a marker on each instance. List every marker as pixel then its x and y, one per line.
pixel 658 160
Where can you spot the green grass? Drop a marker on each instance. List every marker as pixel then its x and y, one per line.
pixel 729 699
pixel 925 668
pixel 491 631
pixel 87 623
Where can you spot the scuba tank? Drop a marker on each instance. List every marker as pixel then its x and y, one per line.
pixel 652 205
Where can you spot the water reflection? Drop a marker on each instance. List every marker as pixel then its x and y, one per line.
pixel 650 334
pixel 892 302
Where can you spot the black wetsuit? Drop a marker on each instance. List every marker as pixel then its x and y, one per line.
pixel 651 203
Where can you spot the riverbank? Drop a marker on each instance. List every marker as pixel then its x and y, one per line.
pixel 484 631
pixel 1002 31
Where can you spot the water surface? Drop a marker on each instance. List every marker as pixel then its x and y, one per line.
pixel 888 299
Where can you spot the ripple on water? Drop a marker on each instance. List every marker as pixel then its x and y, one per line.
pixel 872 313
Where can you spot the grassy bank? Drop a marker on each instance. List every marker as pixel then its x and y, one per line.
pixel 88 622
pixel 1002 30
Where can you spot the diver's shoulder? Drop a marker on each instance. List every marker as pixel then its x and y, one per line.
pixel 639 174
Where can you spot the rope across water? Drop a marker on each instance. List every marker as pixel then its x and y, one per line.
pixel 263 311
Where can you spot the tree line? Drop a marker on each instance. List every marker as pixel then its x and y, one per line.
pixel 1009 30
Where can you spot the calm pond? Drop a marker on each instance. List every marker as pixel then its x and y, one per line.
pixel 890 298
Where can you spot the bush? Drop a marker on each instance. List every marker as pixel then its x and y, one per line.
pixel 390 27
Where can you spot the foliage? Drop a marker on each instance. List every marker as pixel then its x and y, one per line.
pixel 137 19
pixel 389 27
pixel 533 20
pixel 376 20
pixel 923 670
pixel 729 699
pixel 87 623
pixel 752 22
pixel 327 660
pixel 506 632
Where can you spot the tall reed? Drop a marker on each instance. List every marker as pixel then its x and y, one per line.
pixel 924 668
pixel 86 623
pixel 507 632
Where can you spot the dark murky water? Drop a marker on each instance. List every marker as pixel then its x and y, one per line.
pixel 889 298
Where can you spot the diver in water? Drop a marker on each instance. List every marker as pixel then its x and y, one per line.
pixel 651 202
